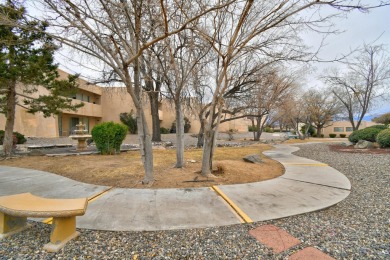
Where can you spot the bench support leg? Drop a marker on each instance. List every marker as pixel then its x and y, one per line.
pixel 10 225
pixel 63 230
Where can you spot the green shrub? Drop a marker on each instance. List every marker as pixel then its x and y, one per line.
pixel 164 130
pixel 20 139
pixel 381 127
pixel 368 134
pixel 343 135
pixel 130 121
pixel 311 131
pixel 322 135
pixel 383 138
pixel 108 137
pixel 252 128
pixel 332 135
pixel 268 129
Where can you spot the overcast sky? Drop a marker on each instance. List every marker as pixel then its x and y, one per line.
pixel 357 28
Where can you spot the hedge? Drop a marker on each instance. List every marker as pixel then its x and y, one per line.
pixel 343 135
pixel 332 135
pixel 368 134
pixel 108 137
pixel 383 138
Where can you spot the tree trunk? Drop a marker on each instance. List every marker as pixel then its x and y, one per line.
pixel 258 129
pixel 207 152
pixel 319 128
pixel 200 137
pixel 253 128
pixel 179 135
pixel 153 98
pixel 10 120
pixel 145 142
pixel 201 131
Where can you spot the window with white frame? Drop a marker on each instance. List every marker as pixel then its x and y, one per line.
pixel 338 129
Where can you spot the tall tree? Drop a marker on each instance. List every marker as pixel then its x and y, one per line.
pixel 26 57
pixel 267 29
pixel 366 79
pixel 183 55
pixel 113 33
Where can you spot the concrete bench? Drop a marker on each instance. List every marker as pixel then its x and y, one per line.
pixel 15 209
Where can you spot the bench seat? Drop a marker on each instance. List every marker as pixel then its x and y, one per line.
pixel 15 209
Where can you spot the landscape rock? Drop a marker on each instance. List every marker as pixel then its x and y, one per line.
pixel 347 144
pixel 363 144
pixel 252 158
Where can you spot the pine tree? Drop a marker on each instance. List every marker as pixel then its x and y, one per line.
pixel 26 57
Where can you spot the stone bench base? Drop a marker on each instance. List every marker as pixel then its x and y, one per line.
pixel 15 209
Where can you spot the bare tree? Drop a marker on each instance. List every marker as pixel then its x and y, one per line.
pixel 268 27
pixel 321 107
pixel 366 80
pixel 113 33
pixel 271 91
pixel 184 52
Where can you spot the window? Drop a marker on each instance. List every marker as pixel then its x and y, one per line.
pixel 348 129
pixel 338 129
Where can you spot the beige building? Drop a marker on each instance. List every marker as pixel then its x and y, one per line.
pixel 343 127
pixel 100 105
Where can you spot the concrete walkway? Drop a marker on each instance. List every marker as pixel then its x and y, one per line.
pixel 306 186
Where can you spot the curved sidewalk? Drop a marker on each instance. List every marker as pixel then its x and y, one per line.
pixel 306 186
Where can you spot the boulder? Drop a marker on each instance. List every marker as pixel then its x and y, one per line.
pixel 363 144
pixel 252 158
pixel 347 144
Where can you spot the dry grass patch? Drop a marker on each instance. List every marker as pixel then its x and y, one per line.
pixel 126 170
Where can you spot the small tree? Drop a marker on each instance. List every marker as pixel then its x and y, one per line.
pixel 130 121
pixel 26 57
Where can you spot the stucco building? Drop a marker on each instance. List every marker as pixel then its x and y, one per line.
pixel 100 105
pixel 343 127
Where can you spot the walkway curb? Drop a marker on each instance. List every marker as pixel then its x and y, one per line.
pixel 306 186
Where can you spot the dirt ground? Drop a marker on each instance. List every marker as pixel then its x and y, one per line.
pixel 125 170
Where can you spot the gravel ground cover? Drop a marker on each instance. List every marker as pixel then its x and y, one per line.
pixel 356 228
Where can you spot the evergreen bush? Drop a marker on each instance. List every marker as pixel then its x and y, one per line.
pixel 252 128
pixel 164 130
pixel 130 121
pixel 383 138
pixel 108 137
pixel 268 129
pixel 343 135
pixel 311 131
pixel 381 127
pixel 368 134
pixel 19 137
pixel 332 135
